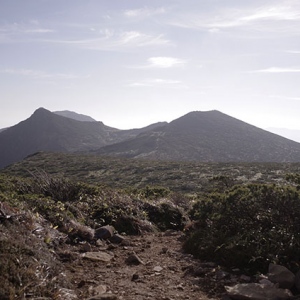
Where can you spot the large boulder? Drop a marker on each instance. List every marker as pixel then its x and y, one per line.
pixel 281 275
pixel 256 291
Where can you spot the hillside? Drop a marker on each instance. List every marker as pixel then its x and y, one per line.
pixel 209 137
pixel 59 132
pixel 61 238
pixel 50 132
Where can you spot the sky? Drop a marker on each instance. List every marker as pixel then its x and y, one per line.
pixel 135 62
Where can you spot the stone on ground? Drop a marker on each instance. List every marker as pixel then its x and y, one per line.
pixel 281 275
pixel 256 291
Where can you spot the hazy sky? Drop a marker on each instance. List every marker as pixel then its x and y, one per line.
pixel 135 62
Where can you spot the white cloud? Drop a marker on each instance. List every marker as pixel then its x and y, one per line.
pixel 111 40
pixel 38 30
pixel 143 12
pixel 273 13
pixel 158 82
pixel 39 74
pixel 279 18
pixel 17 28
pixel 277 70
pixel 18 33
pixel 165 62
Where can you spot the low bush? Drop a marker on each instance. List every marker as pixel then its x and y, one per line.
pixel 27 267
pixel 248 227
pixel 165 215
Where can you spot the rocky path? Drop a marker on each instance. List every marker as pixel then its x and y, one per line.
pixel 151 266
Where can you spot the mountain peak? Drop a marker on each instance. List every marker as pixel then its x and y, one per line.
pixel 41 111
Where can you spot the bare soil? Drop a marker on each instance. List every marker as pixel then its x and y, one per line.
pixel 163 271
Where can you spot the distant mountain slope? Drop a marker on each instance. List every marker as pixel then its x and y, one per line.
pixel 75 116
pixel 47 131
pixel 208 136
pixel 50 132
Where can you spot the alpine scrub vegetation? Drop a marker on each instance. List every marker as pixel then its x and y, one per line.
pixel 41 214
pixel 248 227
pixel 236 215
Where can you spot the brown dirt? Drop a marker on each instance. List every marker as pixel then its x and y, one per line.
pixel 163 273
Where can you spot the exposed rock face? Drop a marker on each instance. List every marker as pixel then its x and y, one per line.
pixel 256 291
pixel 282 276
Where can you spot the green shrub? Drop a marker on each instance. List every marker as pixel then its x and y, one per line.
pixel 150 192
pixel 165 215
pixel 248 227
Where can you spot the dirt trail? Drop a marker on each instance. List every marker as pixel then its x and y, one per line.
pixel 162 273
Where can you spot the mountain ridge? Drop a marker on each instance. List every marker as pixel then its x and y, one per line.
pixel 75 116
pixel 48 131
pixel 220 138
pixel 209 136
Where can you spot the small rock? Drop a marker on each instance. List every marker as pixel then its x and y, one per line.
pixel 86 247
pixel 133 259
pixel 111 247
pixel 281 275
pixel 135 277
pixel 180 287
pixel 125 242
pixel 256 291
pixel 97 256
pixel 98 290
pixel 104 232
pixel 100 243
pixel 117 239
pixel 77 230
pixel 157 269
pixel 245 278
pixel 266 282
pixel 66 294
